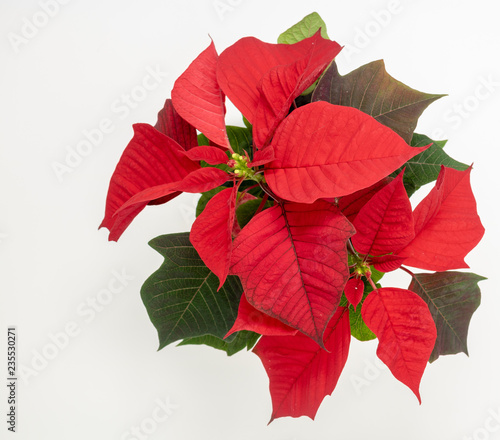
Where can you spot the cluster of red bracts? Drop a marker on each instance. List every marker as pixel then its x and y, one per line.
pixel 326 167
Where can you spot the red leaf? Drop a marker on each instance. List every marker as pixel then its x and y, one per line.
pixel 353 290
pixel 150 159
pixel 211 155
pixel 200 180
pixel 198 98
pixel 174 126
pixel 385 224
pixel 324 150
pixel 351 204
pixel 405 330
pixel 211 232
pixel 300 373
pixel 263 156
pixel 283 83
pixel 249 318
pixel 241 67
pixel 447 226
pixel 292 262
pixel 387 263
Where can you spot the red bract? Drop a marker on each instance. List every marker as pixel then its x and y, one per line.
pixel 251 319
pixel 170 123
pixel 292 262
pixel 211 233
pixel 353 290
pixel 351 204
pixel 405 330
pixel 324 150
pixel 447 226
pixel 198 98
pixel 385 224
pixel 283 83
pixel 300 372
pixel 242 67
pixel 150 159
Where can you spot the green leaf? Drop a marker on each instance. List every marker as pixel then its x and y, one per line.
pixel 203 140
pixel 247 210
pixel 181 297
pixel 205 198
pixel 240 139
pixel 452 298
pixel 424 167
pixel 372 90
pixel 358 327
pixel 376 275
pixel 305 28
pixel 247 123
pixel 243 339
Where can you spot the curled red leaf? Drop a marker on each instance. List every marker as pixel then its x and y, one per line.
pixel 198 98
pixel 211 234
pixel 447 225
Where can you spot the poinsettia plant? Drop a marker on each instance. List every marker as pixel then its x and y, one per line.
pixel 302 210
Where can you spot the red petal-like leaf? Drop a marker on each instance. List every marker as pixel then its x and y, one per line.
pixel 174 126
pixel 385 224
pixel 324 150
pixel 242 66
pixel 292 262
pixel 447 226
pixel 301 373
pixel 211 155
pixel 211 233
pixel 249 318
pixel 283 83
pixel 353 290
pixel 351 204
pixel 198 98
pixel 200 180
pixel 150 159
pixel 387 263
pixel 261 157
pixel 405 330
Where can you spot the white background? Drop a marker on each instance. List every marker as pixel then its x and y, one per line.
pixel 67 73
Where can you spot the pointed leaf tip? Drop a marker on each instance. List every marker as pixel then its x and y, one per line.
pixel 324 150
pixel 292 261
pixel 406 332
pixel 447 225
pixel 198 98
pixel 301 374
pixel 452 298
pixel 372 90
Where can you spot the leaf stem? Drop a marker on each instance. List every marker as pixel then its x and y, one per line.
pixel 351 248
pixel 268 191
pixel 407 271
pixel 369 278
pixel 262 204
